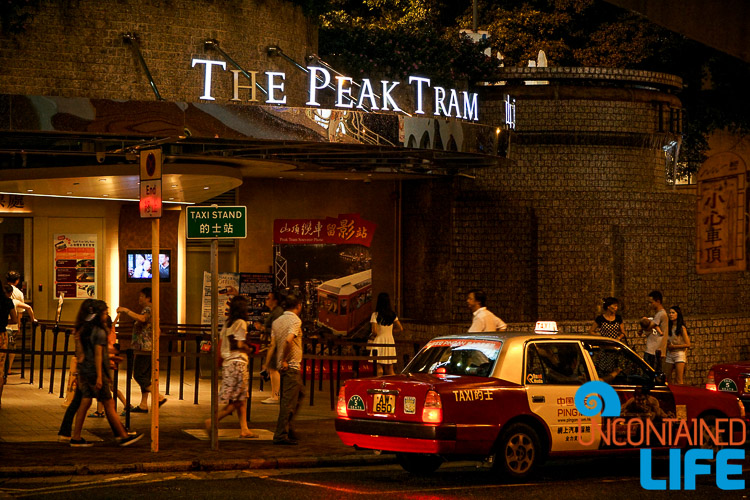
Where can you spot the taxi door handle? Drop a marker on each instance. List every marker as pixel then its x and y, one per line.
pixel 537 399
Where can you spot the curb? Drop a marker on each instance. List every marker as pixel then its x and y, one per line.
pixel 197 465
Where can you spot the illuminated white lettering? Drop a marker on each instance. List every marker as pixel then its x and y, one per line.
pixel 207 75
pixel 471 110
pixel 419 81
pixel 365 92
pixel 439 101
pixel 236 85
pixel 314 70
pixel 454 103
pixel 387 95
pixel 273 86
pixel 344 91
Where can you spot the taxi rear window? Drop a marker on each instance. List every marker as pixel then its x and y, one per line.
pixel 456 357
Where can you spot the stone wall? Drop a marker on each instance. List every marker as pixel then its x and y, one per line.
pixel 582 211
pixel 76 49
pixel 714 339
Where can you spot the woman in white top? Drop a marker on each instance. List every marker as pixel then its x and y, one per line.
pixel 234 373
pixel 382 322
pixel 678 343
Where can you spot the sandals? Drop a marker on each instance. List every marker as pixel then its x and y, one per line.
pixel 96 414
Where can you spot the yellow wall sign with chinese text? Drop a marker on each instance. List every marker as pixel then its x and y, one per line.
pixel 721 225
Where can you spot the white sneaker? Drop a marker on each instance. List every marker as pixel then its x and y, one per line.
pixel 270 401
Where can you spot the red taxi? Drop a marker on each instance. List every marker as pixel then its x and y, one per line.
pixel 732 378
pixel 508 399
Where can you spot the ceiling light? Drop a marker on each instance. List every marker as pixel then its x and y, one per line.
pixel 69 192
pixel 102 180
pixel 174 185
pixel 171 197
pixel 205 187
pixel 29 190
pixel 105 195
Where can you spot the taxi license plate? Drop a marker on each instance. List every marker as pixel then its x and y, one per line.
pixel 384 403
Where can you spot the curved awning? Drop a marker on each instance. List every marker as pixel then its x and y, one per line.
pixel 86 147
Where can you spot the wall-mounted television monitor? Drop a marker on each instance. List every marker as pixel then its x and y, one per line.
pixel 140 266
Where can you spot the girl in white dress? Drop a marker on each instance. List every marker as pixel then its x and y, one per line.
pixel 383 321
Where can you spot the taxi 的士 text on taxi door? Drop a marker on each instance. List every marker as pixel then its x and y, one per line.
pixel 509 398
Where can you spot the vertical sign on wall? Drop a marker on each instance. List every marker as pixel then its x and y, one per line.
pixel 150 201
pixel 75 265
pixel 720 243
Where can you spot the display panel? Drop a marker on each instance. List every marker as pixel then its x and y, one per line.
pixel 139 265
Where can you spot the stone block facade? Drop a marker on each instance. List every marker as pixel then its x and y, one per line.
pixel 76 49
pixel 582 211
pixel 714 340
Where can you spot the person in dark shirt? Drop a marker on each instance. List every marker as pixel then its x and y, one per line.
pixel 94 376
pixel 7 313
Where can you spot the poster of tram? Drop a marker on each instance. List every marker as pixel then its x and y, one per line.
pixel 75 266
pixel 328 264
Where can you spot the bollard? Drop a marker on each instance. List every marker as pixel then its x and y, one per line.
pixel 197 367
pixel 55 332
pixel 33 350
pixel 24 321
pixel 128 383
pixel 68 331
pixel 169 365
pixel 41 356
pixel 182 369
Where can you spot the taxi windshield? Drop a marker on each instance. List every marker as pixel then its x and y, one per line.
pixel 456 357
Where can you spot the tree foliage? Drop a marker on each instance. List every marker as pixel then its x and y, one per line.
pixel 399 37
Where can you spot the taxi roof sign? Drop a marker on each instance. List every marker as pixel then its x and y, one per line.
pixel 545 327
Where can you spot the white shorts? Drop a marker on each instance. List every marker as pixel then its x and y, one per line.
pixel 676 357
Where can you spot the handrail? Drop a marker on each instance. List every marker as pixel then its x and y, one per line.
pixel 316 351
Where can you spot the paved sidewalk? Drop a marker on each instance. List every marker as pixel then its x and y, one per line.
pixel 30 418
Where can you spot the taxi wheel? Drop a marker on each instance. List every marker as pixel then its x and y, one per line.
pixel 418 463
pixel 518 452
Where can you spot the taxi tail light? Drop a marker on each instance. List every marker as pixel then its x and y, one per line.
pixel 742 408
pixel 341 405
pixel 711 383
pixel 432 412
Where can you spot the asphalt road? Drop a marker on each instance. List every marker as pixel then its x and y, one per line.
pixel 609 478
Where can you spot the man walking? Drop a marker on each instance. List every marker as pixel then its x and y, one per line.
pixel 656 338
pixel 484 320
pixel 286 341
pixel 272 303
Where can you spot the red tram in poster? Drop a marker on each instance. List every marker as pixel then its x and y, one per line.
pixel 345 303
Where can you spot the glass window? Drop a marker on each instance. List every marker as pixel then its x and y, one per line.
pixel 617 365
pixel 555 363
pixel 456 357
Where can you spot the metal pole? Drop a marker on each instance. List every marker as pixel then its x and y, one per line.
pixel 214 344
pixel 155 330
pixel 474 18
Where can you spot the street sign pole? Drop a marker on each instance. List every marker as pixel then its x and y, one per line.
pixel 150 208
pixel 215 223
pixel 214 344
pixel 155 335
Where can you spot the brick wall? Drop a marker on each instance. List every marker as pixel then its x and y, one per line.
pixel 582 211
pixel 714 340
pixel 76 48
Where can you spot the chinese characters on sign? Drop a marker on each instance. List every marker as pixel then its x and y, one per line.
pixel 216 222
pixel 345 229
pixel 14 203
pixel 75 265
pixel 720 244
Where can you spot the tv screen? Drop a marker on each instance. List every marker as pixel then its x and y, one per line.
pixel 140 265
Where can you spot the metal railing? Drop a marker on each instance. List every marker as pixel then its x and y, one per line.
pixel 183 342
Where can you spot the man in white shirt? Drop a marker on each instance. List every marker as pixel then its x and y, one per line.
pixel 656 338
pixel 484 320
pixel 13 278
pixel 286 345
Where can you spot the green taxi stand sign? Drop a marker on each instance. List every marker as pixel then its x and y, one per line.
pixel 211 222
